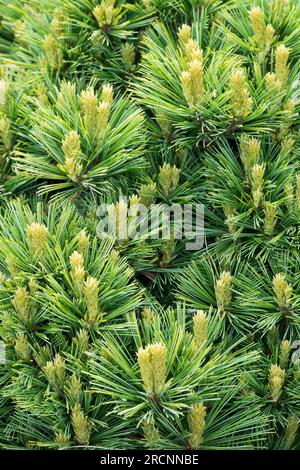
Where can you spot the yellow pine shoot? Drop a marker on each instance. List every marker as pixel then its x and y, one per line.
pixel 82 338
pixel 272 81
pixel 151 434
pixel 196 420
pixel 168 178
pixel 53 52
pixel 103 116
pixel 269 35
pixel 186 84
pixel 83 242
pixel 76 260
pixel 230 213
pixel 152 362
pixel 72 152
pixel 263 35
pixel 62 440
pixel 223 291
pixel 2 278
pixel 67 93
pixel 128 55
pixel 4 93
pixel 270 218
pixel 74 389
pixel 81 425
pixel 281 64
pixel 289 195
pixel 147 194
pixel 20 32
pixel 282 291
pixel 276 381
pixel 250 151
pixel 287 144
pixel 240 97
pixel 297 195
pixel 5 133
pixel 134 202
pixel 291 430
pixel 148 314
pixel 184 34
pixel 257 183
pixel 192 80
pixel 193 52
pixel 95 114
pixel 165 124
pixel 89 105
pixel 258 25
pixel 107 94
pixel 118 213
pixel 37 236
pixel 168 251
pixel 285 349
pixel 58 23
pixel 21 303
pixel 289 107
pixel 200 327
pixel 22 347
pixel 147 3
pixel 91 293
pixel 104 13
pixel 77 269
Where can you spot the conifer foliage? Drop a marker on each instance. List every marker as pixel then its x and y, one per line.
pixel 137 342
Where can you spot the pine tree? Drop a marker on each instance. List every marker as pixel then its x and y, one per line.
pixel 124 338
